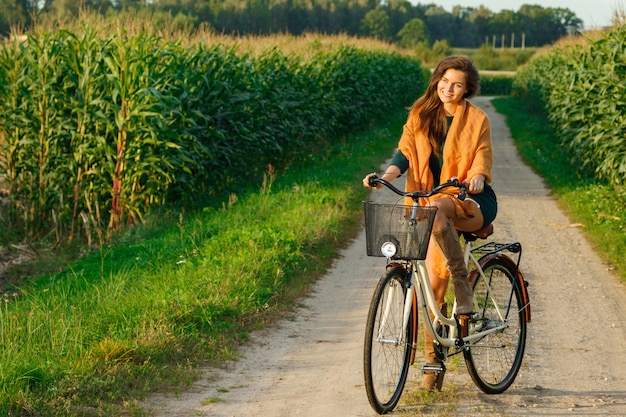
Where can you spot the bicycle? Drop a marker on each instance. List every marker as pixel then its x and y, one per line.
pixel 493 340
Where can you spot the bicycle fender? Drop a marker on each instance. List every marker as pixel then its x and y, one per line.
pixel 520 278
pixel 415 321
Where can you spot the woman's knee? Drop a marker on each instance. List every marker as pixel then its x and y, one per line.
pixel 439 285
pixel 445 212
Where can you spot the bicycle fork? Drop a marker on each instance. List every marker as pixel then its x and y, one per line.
pixel 394 339
pixel 410 305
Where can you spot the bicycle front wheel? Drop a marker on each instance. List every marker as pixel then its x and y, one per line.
pixel 387 351
pixel 494 361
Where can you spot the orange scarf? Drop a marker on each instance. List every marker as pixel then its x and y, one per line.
pixel 467 152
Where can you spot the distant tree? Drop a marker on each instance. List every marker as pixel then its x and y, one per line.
pixel 184 11
pixel 504 23
pixel 567 21
pixel 412 33
pixel 431 55
pixel 546 25
pixel 440 23
pixel 61 9
pixel 376 24
pixel 464 31
pixel 479 18
pixel 15 13
pixel 441 48
pixel 131 4
pixel 400 13
pixel 68 9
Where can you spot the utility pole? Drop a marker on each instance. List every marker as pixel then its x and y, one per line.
pixel 512 40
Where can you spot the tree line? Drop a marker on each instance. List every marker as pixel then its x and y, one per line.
pixel 397 21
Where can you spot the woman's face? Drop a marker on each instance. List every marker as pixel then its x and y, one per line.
pixel 452 86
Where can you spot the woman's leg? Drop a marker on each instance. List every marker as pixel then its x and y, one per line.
pixel 446 211
pixel 446 237
pixel 439 284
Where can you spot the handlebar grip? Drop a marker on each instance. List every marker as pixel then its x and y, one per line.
pixel 372 180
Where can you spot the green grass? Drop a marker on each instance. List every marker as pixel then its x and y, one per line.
pixel 595 204
pixel 186 288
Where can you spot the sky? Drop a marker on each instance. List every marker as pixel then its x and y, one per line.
pixel 593 13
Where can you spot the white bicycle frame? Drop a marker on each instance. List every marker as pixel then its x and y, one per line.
pixel 420 283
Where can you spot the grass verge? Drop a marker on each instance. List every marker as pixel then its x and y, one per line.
pixel 596 205
pixel 184 289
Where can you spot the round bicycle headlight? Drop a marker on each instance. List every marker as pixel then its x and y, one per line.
pixel 388 249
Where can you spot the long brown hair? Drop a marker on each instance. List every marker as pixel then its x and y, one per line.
pixel 429 108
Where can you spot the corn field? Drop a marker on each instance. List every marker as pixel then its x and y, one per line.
pixel 583 90
pixel 95 129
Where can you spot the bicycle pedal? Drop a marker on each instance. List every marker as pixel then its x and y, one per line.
pixel 435 368
pixel 473 318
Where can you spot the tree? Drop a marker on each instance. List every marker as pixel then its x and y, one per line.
pixel 480 20
pixel 130 4
pixel 544 26
pixel 440 23
pixel 412 33
pixel 504 23
pixel 68 9
pixel 15 14
pixel 61 9
pixel 376 24
pixel 567 20
pixel 464 31
pixel 441 49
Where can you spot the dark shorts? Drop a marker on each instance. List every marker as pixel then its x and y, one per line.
pixel 488 204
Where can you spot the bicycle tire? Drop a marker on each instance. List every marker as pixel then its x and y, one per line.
pixel 387 352
pixel 494 361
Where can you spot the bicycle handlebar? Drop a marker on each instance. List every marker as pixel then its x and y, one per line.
pixel 373 180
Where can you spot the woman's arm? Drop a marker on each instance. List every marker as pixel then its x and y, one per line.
pixel 391 173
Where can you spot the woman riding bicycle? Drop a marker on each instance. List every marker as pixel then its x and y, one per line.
pixel 446 136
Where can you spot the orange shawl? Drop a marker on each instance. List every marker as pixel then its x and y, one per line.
pixel 467 152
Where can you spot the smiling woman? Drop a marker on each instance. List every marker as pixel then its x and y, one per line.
pixel 447 137
pixel 451 89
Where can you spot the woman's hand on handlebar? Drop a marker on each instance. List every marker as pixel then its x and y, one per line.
pixel 368 178
pixel 391 173
pixel 476 184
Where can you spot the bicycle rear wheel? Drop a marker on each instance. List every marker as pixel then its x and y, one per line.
pixel 494 361
pixel 387 351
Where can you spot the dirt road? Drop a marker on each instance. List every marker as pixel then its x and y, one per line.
pixel 311 363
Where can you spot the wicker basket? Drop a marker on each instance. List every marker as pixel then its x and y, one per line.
pixel 397 231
